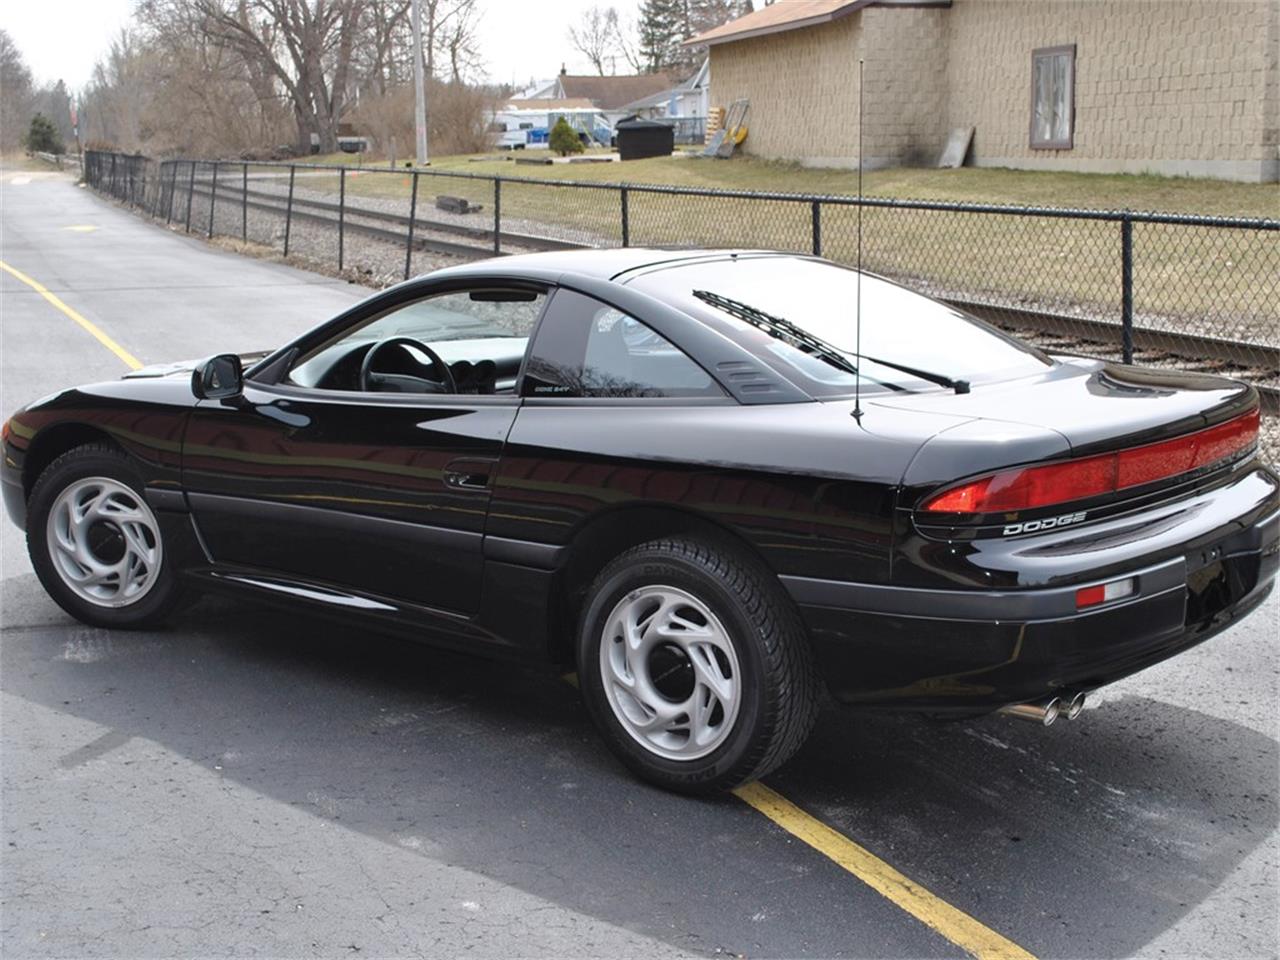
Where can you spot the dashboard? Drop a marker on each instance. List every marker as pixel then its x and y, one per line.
pixel 481 366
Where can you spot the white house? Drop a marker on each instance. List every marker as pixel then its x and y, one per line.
pixel 685 105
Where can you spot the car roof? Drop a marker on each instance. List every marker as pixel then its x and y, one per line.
pixel 610 264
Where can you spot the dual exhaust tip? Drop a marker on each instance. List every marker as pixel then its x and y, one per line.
pixel 1045 712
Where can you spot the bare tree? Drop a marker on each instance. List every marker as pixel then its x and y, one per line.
pixel 449 31
pixel 118 94
pixel 206 77
pixel 459 41
pixel 15 93
pixel 305 46
pixel 377 57
pixel 596 35
pixel 628 42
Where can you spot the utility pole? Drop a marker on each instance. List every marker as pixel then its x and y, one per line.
pixel 419 85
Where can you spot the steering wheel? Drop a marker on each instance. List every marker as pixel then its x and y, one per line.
pixel 405 382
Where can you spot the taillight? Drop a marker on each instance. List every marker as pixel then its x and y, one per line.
pixel 1027 488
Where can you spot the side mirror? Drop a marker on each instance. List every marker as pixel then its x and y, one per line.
pixel 218 378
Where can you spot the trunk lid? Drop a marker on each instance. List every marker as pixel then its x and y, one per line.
pixel 1085 434
pixel 1095 406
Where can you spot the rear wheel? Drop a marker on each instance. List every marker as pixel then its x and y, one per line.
pixel 694 666
pixel 95 543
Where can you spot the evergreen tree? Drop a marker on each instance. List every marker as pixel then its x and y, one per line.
pixel 43 136
pixel 662 26
pixel 666 24
pixel 564 139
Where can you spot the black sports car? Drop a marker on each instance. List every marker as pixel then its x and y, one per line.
pixel 683 473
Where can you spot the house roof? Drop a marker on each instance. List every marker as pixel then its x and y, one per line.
pixel 542 103
pixel 662 96
pixel 792 15
pixel 609 93
pixel 534 89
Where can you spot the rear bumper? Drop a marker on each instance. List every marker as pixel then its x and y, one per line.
pixel 972 651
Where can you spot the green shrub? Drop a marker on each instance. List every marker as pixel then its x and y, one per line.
pixel 564 139
pixel 43 136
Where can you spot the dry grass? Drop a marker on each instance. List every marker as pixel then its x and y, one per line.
pixel 966 185
pixel 21 163
pixel 1218 282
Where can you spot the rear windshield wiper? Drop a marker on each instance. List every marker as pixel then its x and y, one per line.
pixel 959 386
pixel 780 329
pixel 786 330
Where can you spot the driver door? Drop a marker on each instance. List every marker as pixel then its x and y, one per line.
pixel 356 479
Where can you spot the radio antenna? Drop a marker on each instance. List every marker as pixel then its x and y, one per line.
pixel 857 316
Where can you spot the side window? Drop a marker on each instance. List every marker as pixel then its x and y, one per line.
pixel 586 348
pixel 1053 80
pixel 480 334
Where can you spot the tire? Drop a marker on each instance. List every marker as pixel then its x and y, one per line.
pixel 695 666
pixel 108 568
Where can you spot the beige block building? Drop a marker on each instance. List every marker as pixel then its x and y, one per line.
pixel 1175 87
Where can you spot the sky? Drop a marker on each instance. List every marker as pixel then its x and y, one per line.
pixel 519 38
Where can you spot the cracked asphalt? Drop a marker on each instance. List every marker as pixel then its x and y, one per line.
pixel 248 782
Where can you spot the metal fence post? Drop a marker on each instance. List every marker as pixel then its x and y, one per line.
pixel 626 216
pixel 1126 288
pixel 497 215
pixel 413 212
pixel 173 183
pixel 213 197
pixel 288 209
pixel 342 212
pixel 112 189
pixel 244 202
pixel 191 192
pixel 816 217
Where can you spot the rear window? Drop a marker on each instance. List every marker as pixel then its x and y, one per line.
pixel 898 326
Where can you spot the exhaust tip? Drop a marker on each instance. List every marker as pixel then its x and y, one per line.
pixel 1075 706
pixel 1043 712
pixel 1052 710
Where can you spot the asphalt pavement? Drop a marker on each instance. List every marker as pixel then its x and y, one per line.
pixel 249 782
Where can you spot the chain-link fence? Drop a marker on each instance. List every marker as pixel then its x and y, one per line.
pixel 1199 293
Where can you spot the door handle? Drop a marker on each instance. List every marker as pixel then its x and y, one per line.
pixel 466 480
pixel 473 475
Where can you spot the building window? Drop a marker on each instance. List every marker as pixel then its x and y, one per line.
pixel 1053 97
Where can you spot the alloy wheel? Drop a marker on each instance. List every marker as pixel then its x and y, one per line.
pixel 104 542
pixel 670 672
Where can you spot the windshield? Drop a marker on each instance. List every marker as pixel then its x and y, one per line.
pixel 899 327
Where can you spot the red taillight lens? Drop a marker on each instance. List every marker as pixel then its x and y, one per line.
pixel 1031 487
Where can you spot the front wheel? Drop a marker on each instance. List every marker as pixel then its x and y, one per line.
pixel 96 544
pixel 694 666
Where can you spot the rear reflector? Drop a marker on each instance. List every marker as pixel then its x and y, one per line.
pixel 1104 593
pixel 1026 488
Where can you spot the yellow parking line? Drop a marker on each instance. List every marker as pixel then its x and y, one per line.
pixel 948 921
pixel 132 362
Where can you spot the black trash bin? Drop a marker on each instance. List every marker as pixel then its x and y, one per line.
pixel 638 139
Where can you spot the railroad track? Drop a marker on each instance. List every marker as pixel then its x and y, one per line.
pixel 357 220
pixel 1256 363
